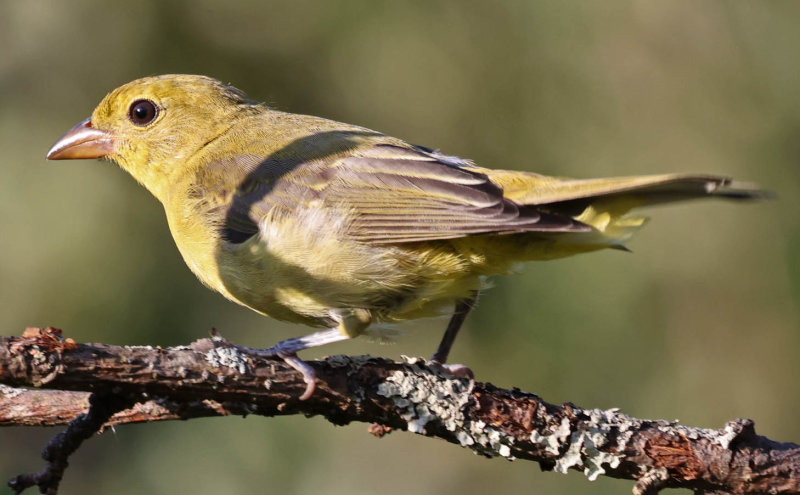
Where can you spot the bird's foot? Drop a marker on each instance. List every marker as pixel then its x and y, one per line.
pixel 309 375
pixel 288 353
pixel 457 370
pixel 288 349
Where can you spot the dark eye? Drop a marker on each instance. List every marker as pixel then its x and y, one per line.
pixel 142 112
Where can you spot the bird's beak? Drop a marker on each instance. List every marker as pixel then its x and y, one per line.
pixel 82 141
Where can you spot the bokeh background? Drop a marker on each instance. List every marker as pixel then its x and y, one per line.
pixel 701 323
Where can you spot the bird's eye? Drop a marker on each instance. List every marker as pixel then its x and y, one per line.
pixel 142 112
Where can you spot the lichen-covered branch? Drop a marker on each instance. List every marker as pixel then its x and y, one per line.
pixel 211 377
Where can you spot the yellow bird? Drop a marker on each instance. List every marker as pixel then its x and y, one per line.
pixel 336 226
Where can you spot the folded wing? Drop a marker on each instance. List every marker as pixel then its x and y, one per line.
pixel 390 194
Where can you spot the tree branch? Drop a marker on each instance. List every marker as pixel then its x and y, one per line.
pixel 212 378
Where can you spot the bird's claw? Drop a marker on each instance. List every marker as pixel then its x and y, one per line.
pixel 309 375
pixel 457 370
pixel 289 356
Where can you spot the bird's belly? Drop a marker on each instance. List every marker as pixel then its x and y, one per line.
pixel 307 280
pixel 254 277
pixel 304 273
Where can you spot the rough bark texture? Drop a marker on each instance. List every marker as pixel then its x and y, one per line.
pixel 101 385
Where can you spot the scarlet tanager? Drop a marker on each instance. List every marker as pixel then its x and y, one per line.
pixel 336 226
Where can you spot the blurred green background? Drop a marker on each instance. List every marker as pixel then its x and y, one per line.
pixel 700 323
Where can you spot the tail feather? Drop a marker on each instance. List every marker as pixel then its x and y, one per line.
pixel 644 190
pixel 605 203
pixel 743 191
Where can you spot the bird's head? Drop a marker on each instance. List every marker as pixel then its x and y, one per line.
pixel 152 126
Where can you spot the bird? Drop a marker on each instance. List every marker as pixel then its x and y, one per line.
pixel 340 227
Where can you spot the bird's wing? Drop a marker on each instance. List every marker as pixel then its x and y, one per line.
pixel 391 194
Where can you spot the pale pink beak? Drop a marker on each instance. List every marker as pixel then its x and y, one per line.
pixel 82 141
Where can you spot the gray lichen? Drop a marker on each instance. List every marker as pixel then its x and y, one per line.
pixel 595 438
pixel 580 444
pixel 554 440
pixel 722 437
pixel 228 357
pixel 425 395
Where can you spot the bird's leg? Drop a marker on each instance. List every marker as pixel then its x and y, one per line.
pixel 351 323
pixel 288 349
pixel 316 339
pixel 463 307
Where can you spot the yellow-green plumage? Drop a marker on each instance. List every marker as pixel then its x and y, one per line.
pixel 329 224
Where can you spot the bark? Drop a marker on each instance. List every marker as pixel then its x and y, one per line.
pixel 93 386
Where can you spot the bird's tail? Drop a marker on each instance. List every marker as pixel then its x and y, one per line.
pixel 606 204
